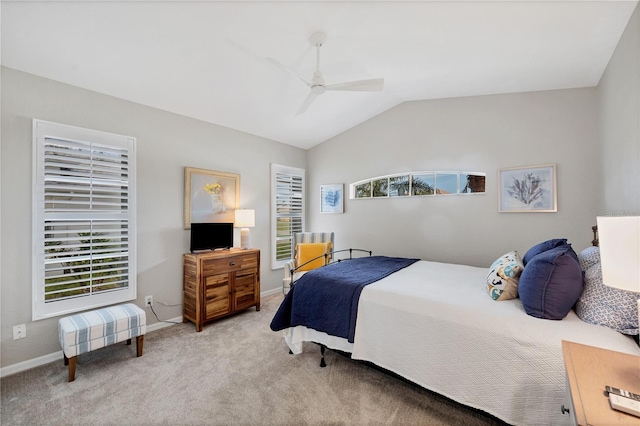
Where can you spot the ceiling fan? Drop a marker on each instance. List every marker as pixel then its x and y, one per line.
pixel 317 85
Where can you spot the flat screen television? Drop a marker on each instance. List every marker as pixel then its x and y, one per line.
pixel 211 236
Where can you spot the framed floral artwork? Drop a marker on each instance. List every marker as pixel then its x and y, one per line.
pixel 528 189
pixel 209 196
pixel 332 198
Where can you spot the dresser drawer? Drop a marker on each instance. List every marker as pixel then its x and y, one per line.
pixel 229 264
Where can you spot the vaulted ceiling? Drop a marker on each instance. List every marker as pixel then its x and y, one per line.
pixel 206 59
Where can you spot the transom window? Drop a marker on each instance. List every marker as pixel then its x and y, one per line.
pixel 417 184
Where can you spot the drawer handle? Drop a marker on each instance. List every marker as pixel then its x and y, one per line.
pixel 232 263
pixel 564 410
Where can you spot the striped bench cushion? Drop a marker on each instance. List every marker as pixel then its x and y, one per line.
pixel 92 330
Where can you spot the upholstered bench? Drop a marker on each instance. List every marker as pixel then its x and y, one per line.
pixel 92 330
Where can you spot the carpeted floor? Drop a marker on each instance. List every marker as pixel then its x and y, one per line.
pixel 235 372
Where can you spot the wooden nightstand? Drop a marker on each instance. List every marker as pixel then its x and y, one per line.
pixel 589 370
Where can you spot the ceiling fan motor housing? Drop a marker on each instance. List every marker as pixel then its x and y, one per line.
pixel 317 38
pixel 318 80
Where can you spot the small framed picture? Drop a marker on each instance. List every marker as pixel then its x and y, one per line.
pixel 332 198
pixel 528 189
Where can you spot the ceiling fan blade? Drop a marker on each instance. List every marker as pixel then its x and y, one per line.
pixel 310 98
pixel 373 85
pixel 247 52
pixel 290 71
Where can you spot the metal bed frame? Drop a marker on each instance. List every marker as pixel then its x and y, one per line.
pixel 328 259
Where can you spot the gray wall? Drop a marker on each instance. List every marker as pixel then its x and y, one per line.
pixel 166 143
pixel 484 134
pixel 619 125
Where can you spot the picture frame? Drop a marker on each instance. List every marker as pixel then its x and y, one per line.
pixel 210 196
pixel 332 198
pixel 528 189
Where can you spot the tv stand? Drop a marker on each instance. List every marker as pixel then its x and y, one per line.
pixel 219 283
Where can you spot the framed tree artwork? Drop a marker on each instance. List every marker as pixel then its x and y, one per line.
pixel 209 196
pixel 528 189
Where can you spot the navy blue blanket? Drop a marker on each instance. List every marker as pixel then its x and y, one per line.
pixel 326 299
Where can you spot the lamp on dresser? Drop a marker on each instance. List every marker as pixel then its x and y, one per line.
pixel 620 252
pixel 245 219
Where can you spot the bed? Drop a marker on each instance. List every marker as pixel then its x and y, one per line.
pixel 435 325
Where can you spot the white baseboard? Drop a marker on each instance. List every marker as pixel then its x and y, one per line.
pixel 158 325
pixel 31 363
pixel 270 292
pixel 57 356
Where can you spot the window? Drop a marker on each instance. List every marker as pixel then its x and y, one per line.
pixel 84 219
pixel 287 211
pixel 416 184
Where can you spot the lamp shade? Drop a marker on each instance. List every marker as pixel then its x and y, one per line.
pixel 619 238
pixel 245 218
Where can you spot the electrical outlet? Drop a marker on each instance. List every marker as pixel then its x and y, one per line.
pixel 19 331
pixel 148 301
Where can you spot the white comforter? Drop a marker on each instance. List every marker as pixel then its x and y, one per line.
pixel 434 324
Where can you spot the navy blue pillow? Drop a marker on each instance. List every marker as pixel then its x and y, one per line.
pixel 551 283
pixel 542 247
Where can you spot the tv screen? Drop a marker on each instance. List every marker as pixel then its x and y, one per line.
pixel 211 236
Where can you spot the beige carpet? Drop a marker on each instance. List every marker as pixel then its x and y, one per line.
pixel 235 372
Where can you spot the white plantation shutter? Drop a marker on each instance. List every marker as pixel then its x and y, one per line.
pixel 287 211
pixel 84 219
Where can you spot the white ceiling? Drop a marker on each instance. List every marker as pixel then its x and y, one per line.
pixel 206 59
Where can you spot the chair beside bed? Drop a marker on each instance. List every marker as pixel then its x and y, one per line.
pixel 306 246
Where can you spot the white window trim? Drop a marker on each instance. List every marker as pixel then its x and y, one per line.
pixel 275 169
pixel 46 130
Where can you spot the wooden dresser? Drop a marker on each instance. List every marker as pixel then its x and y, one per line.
pixel 219 283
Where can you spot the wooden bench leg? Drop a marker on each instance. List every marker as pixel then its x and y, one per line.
pixel 139 342
pixel 72 367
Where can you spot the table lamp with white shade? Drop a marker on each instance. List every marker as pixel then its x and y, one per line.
pixel 245 219
pixel 619 238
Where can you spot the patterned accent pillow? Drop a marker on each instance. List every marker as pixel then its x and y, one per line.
pixel 589 257
pixel 607 306
pixel 503 276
